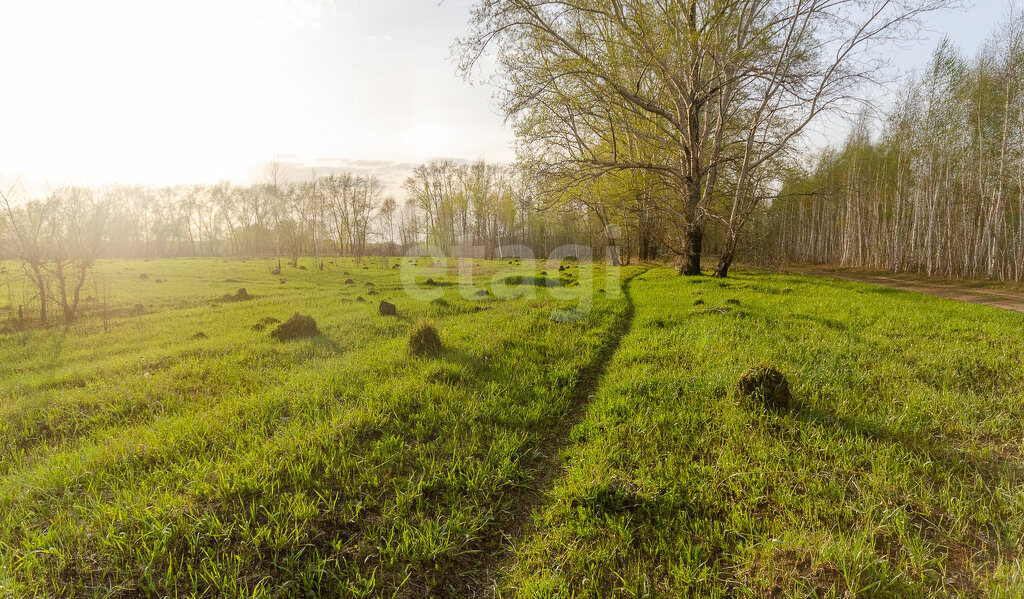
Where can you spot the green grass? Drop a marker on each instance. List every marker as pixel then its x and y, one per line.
pixel 138 460
pixel 897 474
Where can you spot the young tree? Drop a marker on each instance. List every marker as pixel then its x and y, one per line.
pixel 386 214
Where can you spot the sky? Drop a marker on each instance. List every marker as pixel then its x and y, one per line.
pixel 194 91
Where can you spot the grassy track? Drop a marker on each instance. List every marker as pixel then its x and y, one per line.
pixel 535 456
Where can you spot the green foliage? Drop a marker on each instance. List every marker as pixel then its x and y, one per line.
pixel 934 187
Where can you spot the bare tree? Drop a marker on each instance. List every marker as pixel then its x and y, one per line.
pixel 386 214
pixel 57 241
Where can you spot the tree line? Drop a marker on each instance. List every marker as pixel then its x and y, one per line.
pixel 479 209
pixel 935 186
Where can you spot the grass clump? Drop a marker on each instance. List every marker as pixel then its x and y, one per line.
pixel 425 341
pixel 264 323
pixel 767 386
pixel 536 281
pixel 299 326
pixel 242 295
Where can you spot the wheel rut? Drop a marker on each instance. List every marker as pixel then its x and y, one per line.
pixel 546 464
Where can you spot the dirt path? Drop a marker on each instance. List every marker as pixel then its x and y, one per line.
pixel 997 298
pixel 546 463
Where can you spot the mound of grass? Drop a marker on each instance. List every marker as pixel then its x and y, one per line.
pixel 242 295
pixel 765 386
pixel 539 281
pixel 264 323
pixel 299 326
pixel 425 340
pixel 387 309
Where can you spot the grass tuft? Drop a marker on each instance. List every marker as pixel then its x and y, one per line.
pixel 766 386
pixel 425 340
pixel 299 326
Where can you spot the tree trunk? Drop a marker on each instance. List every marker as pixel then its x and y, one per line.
pixel 722 270
pixel 613 251
pixel 694 245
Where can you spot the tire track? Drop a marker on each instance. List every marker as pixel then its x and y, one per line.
pixel 546 463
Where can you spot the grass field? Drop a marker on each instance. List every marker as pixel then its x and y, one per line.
pixel 550 449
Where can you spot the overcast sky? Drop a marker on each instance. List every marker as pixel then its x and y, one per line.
pixel 201 90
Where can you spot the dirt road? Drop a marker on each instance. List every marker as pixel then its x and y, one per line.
pixel 997 298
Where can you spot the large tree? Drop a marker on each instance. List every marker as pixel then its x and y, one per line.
pixel 684 90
